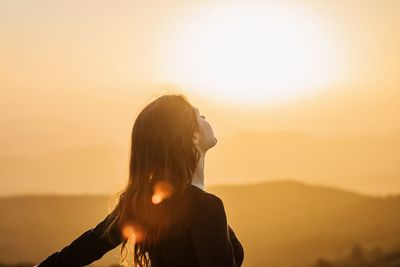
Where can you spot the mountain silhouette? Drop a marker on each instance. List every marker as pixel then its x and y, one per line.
pixel 283 223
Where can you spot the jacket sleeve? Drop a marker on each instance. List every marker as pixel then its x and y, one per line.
pixel 237 246
pixel 210 236
pixel 88 247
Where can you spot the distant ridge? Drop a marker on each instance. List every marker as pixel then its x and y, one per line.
pixel 294 185
pixel 281 183
pixel 272 219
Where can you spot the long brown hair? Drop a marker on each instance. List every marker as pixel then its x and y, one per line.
pixel 162 161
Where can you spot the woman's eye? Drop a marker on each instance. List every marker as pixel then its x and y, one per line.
pixel 203 117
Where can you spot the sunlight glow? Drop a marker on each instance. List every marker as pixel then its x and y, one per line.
pixel 127 231
pixel 161 191
pixel 132 232
pixel 251 54
pixel 156 199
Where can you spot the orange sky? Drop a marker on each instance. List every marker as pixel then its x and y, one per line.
pixel 76 73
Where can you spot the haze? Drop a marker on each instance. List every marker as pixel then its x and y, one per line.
pixel 74 75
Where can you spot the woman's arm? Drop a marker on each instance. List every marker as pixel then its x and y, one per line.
pixel 88 247
pixel 210 236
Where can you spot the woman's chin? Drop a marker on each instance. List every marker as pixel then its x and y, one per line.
pixel 214 143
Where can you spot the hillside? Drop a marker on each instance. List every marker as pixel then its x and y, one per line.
pixel 273 220
pixel 278 219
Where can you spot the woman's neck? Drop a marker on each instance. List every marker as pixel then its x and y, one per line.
pixel 198 175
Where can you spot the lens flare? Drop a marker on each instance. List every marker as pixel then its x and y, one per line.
pixel 156 199
pixel 128 231
pixel 161 191
pixel 133 232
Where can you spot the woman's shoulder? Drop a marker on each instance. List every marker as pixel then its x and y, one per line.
pixel 205 200
pixel 195 204
pixel 203 195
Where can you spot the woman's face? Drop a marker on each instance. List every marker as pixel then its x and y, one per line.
pixel 204 139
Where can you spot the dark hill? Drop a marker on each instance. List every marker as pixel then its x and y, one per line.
pixel 279 223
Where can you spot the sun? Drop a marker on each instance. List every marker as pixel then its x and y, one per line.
pixel 250 54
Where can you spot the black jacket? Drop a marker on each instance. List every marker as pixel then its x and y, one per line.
pixel 207 241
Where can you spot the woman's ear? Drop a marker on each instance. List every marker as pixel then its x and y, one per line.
pixel 196 138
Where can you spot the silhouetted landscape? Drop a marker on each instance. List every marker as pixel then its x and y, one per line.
pixel 357 257
pixel 316 226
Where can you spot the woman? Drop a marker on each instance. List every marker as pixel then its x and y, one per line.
pixel 164 209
